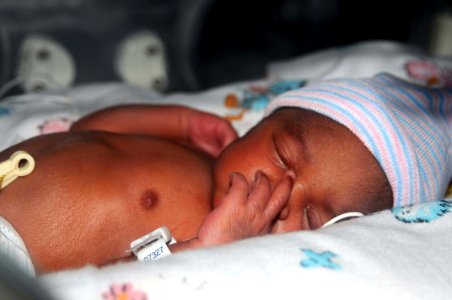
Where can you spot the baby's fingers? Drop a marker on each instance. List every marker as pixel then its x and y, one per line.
pixel 238 191
pixel 279 197
pixel 260 192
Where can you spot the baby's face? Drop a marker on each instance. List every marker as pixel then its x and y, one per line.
pixel 331 165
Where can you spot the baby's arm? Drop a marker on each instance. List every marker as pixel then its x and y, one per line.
pixel 205 131
pixel 246 211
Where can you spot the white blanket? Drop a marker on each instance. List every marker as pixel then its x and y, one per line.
pixel 403 254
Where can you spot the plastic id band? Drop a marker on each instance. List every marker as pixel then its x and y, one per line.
pixel 152 246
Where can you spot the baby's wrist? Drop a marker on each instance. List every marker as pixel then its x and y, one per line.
pixel 185 245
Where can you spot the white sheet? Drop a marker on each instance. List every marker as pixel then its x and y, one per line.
pixel 373 257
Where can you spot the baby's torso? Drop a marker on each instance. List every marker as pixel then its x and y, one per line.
pixel 107 188
pixel 164 179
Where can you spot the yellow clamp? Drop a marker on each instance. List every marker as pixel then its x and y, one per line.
pixel 19 164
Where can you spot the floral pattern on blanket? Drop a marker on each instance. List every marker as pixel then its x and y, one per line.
pixel 54 125
pixel 323 259
pixel 256 97
pixel 422 213
pixel 27 116
pixel 4 111
pixel 124 291
pixel 429 73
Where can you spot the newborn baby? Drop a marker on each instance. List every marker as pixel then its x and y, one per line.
pixel 94 191
pixel 330 148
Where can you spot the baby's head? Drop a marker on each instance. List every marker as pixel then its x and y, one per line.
pixel 354 145
pixel 334 171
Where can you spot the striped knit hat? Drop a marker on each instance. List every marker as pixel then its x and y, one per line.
pixel 407 127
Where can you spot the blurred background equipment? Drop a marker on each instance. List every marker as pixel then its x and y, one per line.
pixel 190 45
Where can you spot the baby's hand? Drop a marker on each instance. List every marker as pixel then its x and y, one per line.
pixel 209 132
pixel 246 211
